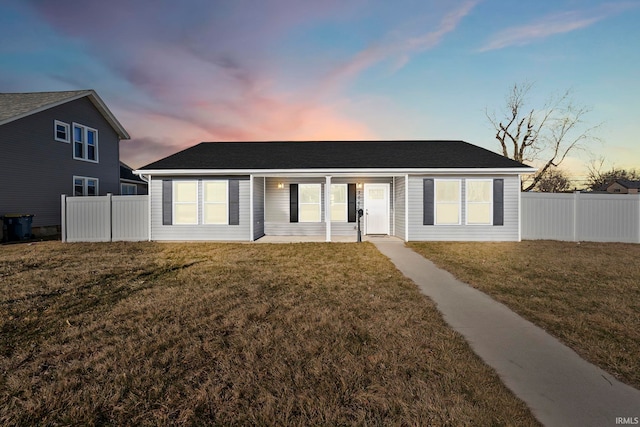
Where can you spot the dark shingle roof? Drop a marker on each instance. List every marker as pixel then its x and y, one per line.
pixel 14 106
pixel 333 155
pixel 126 173
pixel 628 183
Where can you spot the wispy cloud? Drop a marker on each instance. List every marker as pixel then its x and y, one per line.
pixel 401 49
pixel 550 25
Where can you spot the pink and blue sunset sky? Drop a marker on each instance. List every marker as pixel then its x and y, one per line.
pixel 177 73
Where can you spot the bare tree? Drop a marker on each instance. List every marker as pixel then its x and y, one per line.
pixel 554 180
pixel 545 135
pixel 598 178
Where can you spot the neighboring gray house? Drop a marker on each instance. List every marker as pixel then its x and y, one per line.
pixel 55 143
pixel 131 184
pixel 415 190
pixel 623 186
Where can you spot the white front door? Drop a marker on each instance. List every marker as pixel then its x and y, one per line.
pixel 376 208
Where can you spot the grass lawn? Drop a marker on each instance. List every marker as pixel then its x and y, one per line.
pixel 231 334
pixel 587 294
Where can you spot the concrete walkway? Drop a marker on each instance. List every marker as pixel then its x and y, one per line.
pixel 561 388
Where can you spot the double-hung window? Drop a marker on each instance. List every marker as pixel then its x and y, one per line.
pixel 84 186
pixel 339 202
pixel 60 131
pixel 85 143
pixel 447 202
pixel 309 202
pixel 215 204
pixel 128 189
pixel 185 202
pixel 479 201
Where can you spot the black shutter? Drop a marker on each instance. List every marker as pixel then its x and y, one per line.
pixel 167 202
pixel 427 202
pixel 498 202
pixel 293 202
pixel 234 202
pixel 351 202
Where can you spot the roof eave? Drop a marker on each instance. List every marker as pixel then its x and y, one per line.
pixel 340 171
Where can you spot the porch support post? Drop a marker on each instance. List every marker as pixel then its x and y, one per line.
pixel 327 207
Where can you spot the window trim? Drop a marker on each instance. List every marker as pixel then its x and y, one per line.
pixel 436 203
pixel 125 184
pixel 67 128
pixel 174 201
pixel 319 204
pixel 205 203
pixel 85 185
pixel 346 202
pixel 467 202
pixel 85 143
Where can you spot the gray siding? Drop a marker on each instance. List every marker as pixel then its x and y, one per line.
pixel 399 205
pixel 507 232
pixel 258 208
pixel 277 208
pixel 35 169
pixel 159 231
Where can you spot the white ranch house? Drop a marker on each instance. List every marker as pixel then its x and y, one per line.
pixel 414 190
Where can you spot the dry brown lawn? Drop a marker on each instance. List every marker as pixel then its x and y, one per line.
pixel 231 334
pixel 587 294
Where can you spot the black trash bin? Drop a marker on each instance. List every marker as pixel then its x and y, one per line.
pixel 17 227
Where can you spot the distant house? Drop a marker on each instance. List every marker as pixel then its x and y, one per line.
pixel 131 184
pixel 56 143
pixel 623 186
pixel 414 190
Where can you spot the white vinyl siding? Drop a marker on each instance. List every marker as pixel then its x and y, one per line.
pixel 447 202
pixel 61 131
pixel 185 202
pixel 479 199
pixel 216 208
pixel 338 202
pixel 309 203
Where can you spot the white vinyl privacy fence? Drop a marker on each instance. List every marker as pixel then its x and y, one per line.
pixel 105 218
pixel 581 217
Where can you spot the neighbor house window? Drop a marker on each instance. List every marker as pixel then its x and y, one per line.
pixel 479 201
pixel 339 202
pixel 447 202
pixel 61 131
pixel 215 207
pixel 309 205
pixel 185 202
pixel 84 186
pixel 128 189
pixel 85 143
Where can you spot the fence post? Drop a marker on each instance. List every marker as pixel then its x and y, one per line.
pixel 63 217
pixel 110 196
pixel 576 195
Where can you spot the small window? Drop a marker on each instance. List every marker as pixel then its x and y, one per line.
pixel 215 207
pixel 60 131
pixel 339 202
pixel 185 202
pixel 479 201
pixel 128 189
pixel 447 202
pixel 84 186
pixel 309 197
pixel 85 143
